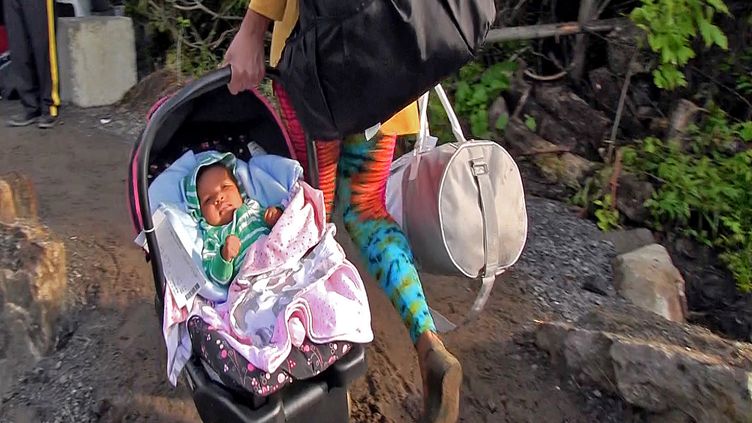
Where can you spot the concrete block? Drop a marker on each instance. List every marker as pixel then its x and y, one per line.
pixel 97 59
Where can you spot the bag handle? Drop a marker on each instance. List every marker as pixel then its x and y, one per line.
pixel 423 133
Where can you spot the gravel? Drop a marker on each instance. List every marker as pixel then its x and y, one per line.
pixel 562 251
pixel 57 387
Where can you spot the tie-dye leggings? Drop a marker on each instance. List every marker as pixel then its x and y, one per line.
pixel 356 170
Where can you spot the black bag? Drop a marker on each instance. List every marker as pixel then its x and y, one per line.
pixel 350 64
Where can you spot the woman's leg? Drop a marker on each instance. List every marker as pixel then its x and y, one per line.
pixel 327 152
pixel 363 171
pixel 294 129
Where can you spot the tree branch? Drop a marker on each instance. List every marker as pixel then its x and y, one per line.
pixel 580 47
pixel 620 107
pixel 553 30
pixel 198 5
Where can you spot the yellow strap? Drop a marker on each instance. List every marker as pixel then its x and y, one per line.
pixel 53 57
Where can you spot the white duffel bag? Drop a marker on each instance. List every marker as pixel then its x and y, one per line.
pixel 461 205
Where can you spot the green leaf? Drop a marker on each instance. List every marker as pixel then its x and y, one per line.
pixel 711 34
pixel 480 96
pixel 479 123
pixel 628 156
pixel 463 91
pixel 531 123
pixel 657 42
pixel 471 71
pixel 508 66
pixel 502 122
pixel 668 77
pixel 745 131
pixel 684 54
pixel 719 5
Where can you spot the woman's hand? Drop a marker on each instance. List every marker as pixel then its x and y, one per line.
pixel 246 53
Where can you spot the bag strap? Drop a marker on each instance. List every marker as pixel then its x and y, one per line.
pixel 424 131
pixel 456 127
pixel 480 171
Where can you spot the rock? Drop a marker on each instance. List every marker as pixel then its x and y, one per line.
pixel 659 126
pixel 498 108
pixel 596 285
pixel 673 416
pixel 567 169
pixel 492 407
pixel 590 125
pixel 642 93
pixel 33 286
pixel 17 198
pixel 682 117
pixel 623 44
pixel 663 367
pixel 641 365
pixel 97 57
pixel 606 91
pixel 626 241
pixel 648 278
pixel 7 205
pixel 631 197
pixel 556 168
pixel 557 132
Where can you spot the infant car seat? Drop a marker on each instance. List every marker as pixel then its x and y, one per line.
pixel 204 115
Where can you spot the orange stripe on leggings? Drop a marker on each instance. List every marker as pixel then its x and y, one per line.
pixel 327 153
pixel 369 185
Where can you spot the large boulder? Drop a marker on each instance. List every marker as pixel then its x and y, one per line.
pixel 33 282
pixel 626 241
pixel 648 278
pixel 591 126
pixel 605 92
pixel 666 368
pixel 633 192
pixel 553 164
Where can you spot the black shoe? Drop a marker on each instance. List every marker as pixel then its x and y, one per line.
pixel 46 121
pixel 23 120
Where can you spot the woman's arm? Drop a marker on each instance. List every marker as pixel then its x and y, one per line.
pixel 246 52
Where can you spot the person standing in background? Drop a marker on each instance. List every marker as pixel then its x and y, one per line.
pixel 31 37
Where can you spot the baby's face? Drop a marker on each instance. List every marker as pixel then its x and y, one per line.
pixel 218 194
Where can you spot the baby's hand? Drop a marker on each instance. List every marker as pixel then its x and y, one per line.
pixel 272 215
pixel 231 249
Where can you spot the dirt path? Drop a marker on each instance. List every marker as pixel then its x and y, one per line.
pixel 111 367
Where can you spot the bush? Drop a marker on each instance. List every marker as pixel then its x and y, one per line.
pixel 671 25
pixel 704 187
pixel 199 30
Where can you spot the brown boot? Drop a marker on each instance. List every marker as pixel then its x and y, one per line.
pixel 442 377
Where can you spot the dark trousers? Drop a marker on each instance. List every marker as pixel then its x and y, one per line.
pixel 33 51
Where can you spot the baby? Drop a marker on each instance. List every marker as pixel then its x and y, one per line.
pixel 230 222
